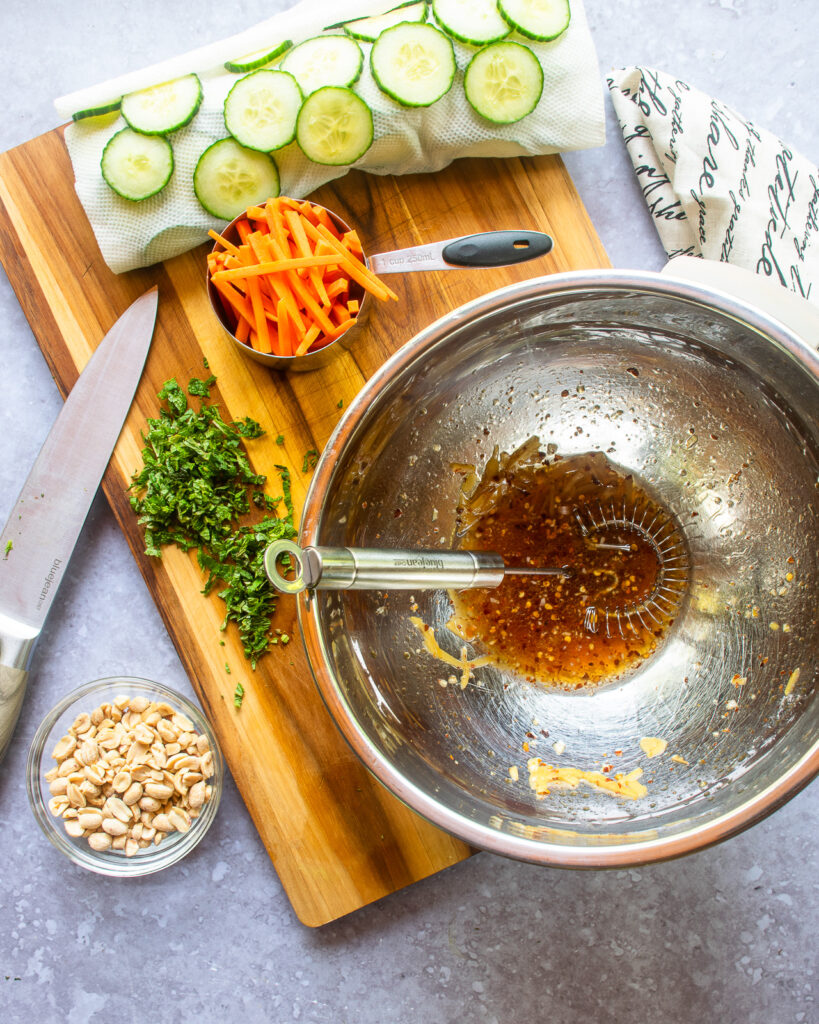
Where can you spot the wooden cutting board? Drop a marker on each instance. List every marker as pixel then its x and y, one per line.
pixel 337 838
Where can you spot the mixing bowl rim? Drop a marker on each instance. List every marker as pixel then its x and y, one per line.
pixel 498 840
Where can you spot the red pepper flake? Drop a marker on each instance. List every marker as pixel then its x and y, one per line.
pixel 618 753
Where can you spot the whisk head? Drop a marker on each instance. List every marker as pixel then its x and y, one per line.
pixel 629 526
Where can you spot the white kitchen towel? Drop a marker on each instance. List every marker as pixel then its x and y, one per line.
pixel 570 115
pixel 717 185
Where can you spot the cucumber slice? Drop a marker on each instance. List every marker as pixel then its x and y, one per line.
pixel 261 110
pixel 369 29
pixel 413 63
pixel 334 126
pixel 537 19
pixel 324 60
pixel 136 166
pixel 257 59
pixel 229 178
pixel 503 82
pixel 163 109
pixel 475 22
pixel 102 112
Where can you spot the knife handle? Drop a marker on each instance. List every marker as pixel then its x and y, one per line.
pixel 16 647
pixel 12 690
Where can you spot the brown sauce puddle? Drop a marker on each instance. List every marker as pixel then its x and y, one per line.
pixel 620 601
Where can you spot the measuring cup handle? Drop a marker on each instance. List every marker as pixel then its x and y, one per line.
pixel 497 248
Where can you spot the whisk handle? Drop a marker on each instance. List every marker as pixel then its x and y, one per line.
pixel 328 568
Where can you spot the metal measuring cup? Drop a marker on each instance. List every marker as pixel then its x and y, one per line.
pixel 484 250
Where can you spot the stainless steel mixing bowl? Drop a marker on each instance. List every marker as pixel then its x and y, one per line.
pixel 713 405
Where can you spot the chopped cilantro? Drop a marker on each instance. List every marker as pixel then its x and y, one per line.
pixel 195 485
pixel 238 695
pixel 280 439
pixel 284 473
pixel 340 404
pixel 201 388
pixel 227 668
pixel 9 546
pixel 311 457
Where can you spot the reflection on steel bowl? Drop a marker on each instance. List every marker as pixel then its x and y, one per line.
pixel 712 405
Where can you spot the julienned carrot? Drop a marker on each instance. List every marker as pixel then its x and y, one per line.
pixel 310 304
pixel 234 298
pixel 275 267
pixel 341 313
pixel 276 282
pixel 351 240
pixel 285 343
pixel 242 331
pixel 259 319
pixel 292 281
pixel 365 277
pixel 307 341
pixel 299 236
pixel 226 245
pixel 336 288
pixel 278 244
pixel 325 219
pixel 277 237
pixel 325 339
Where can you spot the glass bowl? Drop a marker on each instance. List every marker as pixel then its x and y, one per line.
pixel 87 698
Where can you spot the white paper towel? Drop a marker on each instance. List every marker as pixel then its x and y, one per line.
pixel 568 116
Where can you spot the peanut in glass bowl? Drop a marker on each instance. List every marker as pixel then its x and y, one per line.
pixel 111 862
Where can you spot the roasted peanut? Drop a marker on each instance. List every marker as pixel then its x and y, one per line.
pixel 128 773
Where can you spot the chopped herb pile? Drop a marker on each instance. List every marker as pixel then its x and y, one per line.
pixel 195 485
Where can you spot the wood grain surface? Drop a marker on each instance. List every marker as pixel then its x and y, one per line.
pixel 337 838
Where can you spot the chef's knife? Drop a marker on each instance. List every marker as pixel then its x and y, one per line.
pixel 46 520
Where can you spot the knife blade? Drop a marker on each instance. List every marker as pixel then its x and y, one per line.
pixel 46 520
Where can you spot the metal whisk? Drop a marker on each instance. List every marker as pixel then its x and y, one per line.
pixel 327 568
pixel 655 526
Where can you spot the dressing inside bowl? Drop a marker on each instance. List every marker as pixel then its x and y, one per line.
pixel 712 406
